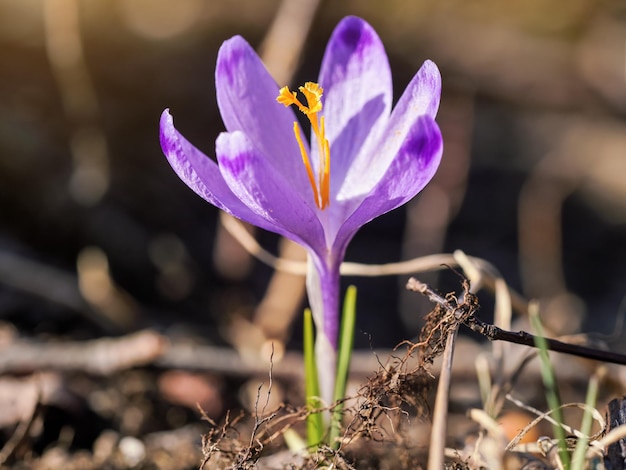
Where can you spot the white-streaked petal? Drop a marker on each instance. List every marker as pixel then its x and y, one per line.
pixel 246 96
pixel 421 97
pixel 267 192
pixel 356 79
pixel 201 173
pixel 413 166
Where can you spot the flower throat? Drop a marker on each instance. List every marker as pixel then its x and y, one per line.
pixel 313 94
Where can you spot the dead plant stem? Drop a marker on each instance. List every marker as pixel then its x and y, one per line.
pixel 440 415
pixel 465 313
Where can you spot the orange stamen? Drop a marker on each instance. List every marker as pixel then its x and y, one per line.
pixel 307 162
pixel 312 93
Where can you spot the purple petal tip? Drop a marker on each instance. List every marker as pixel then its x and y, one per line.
pixel 230 54
pixel 354 34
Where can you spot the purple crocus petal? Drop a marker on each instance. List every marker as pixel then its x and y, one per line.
pixel 268 193
pixel 379 159
pixel 421 97
pixel 201 173
pixel 422 94
pixel 246 96
pixel 412 168
pixel 356 79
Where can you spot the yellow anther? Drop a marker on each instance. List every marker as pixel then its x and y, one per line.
pixel 313 94
pixel 287 97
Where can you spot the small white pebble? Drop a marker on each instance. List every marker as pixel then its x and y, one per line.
pixel 132 449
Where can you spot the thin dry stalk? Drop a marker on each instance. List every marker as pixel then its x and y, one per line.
pixel 436 452
pixel 434 262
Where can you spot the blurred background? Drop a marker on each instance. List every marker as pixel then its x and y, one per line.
pixel 98 237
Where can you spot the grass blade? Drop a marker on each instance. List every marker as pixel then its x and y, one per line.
pixel 578 459
pixel 549 382
pixel 346 341
pixel 314 422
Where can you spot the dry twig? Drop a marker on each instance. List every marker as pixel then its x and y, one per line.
pixel 102 356
pixel 466 314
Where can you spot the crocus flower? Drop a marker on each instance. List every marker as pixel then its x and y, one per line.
pixel 364 159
